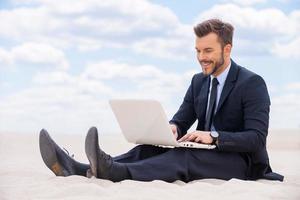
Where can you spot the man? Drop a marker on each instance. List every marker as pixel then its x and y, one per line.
pixel 231 105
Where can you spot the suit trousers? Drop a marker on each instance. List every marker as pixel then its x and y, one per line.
pixel 148 163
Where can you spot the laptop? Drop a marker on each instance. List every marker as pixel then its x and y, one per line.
pixel 145 122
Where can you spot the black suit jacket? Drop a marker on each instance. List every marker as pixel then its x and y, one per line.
pixel 241 119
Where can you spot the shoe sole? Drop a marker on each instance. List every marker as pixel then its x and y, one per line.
pixel 91 142
pixel 48 153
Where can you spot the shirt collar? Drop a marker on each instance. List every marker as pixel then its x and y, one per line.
pixel 222 77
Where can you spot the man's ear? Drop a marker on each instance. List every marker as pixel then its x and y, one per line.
pixel 227 49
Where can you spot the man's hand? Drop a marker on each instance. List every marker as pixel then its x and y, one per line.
pixel 197 136
pixel 174 130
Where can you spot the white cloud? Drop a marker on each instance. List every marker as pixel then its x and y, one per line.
pixel 284 106
pixel 5 58
pixel 290 49
pixel 34 53
pixel 248 2
pixel 142 78
pixel 43 32
pixel 269 20
pixel 293 86
pixel 40 53
pixel 60 108
pixel 284 111
pixel 55 77
pixel 260 31
pixel 60 101
pixel 175 48
pixel 90 25
pixel 111 69
pixel 66 103
pixel 4 85
pixel 26 23
pixel 135 12
pixel 79 84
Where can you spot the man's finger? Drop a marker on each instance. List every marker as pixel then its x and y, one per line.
pixel 198 139
pixel 191 137
pixel 184 137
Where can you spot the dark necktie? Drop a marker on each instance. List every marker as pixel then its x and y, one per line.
pixel 212 104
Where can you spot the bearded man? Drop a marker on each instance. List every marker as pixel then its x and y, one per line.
pixel 231 105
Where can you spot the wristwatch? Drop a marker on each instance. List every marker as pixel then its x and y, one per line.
pixel 215 136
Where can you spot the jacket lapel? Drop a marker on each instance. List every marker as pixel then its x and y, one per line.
pixel 229 83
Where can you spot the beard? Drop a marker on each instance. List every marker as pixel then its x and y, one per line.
pixel 215 65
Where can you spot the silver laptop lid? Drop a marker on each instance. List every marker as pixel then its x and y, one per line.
pixel 143 122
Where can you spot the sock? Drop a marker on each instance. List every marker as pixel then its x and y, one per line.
pixel 81 168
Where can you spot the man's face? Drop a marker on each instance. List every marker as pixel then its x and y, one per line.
pixel 210 54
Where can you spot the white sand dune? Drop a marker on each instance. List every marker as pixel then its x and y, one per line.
pixel 23 174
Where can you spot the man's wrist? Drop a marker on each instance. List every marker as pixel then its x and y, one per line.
pixel 215 136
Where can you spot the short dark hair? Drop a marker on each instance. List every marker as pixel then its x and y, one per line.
pixel 223 30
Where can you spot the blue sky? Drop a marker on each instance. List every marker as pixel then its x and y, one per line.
pixel 61 63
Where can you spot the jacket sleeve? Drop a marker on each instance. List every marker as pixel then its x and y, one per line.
pixel 185 116
pixel 256 106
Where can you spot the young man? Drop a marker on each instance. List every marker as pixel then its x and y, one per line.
pixel 231 105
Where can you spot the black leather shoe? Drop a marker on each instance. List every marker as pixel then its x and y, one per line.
pixel 59 162
pixel 100 162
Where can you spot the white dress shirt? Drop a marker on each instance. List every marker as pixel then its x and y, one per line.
pixel 221 79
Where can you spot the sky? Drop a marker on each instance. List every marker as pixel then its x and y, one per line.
pixel 61 61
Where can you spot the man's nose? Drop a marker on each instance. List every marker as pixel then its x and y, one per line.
pixel 201 56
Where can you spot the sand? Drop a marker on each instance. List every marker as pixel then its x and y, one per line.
pixel 23 174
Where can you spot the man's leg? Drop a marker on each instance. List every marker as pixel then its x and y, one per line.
pixel 174 164
pixel 189 164
pixel 216 164
pixel 103 166
pixel 169 166
pixel 60 163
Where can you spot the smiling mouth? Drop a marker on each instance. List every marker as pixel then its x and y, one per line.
pixel 205 64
